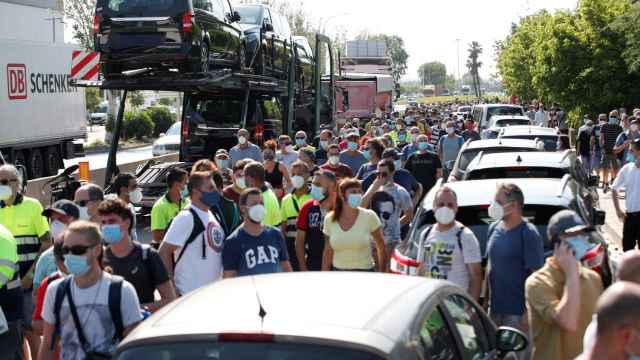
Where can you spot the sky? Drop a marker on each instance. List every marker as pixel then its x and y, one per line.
pixel 429 27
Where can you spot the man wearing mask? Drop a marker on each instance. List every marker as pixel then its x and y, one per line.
pixel 325 141
pixel 169 205
pixel 562 295
pixel 335 165
pixel 541 118
pixel 301 141
pixel 127 189
pixel 424 165
pixel 287 154
pixel 617 338
pixel 352 157
pixel 232 192
pixel 401 176
pixel 254 175
pixel 629 180
pixel 90 286
pixel 403 137
pixel 609 133
pixel 449 145
pixel 224 166
pixel 290 208
pixel 373 150
pixel 138 264
pixel 195 239
pixel 245 149
pixel 583 145
pixel 60 215
pixel 22 216
pixel 412 147
pixel 88 197
pixel 448 250
pixel 625 139
pixel 400 211
pixel 515 250
pixel 254 248
pixel 309 236
pixel 471 133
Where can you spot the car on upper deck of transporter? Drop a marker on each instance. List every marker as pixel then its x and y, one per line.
pixel 334 315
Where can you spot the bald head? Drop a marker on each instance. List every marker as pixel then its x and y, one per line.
pixel 619 306
pixel 629 269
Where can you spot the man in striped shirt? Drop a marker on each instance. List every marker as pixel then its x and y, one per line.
pixel 22 216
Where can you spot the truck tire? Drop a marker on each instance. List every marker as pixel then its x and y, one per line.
pixel 35 164
pixel 52 160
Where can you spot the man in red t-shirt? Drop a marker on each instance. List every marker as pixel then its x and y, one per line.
pixel 334 165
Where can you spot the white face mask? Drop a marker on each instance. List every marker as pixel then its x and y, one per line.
pixel 240 182
pixel 135 196
pixel 257 213
pixel 496 211
pixel 288 148
pixel 242 140
pixel 84 213
pixel 445 215
pixel 450 130
pixel 5 192
pixel 634 128
pixel 56 228
pixel 334 160
pixel 297 181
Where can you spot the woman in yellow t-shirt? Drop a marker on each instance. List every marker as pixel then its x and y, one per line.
pixel 349 231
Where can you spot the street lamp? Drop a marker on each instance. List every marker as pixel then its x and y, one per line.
pixel 53 19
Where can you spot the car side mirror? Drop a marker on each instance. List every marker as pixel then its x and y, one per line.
pixel 593 181
pixel 268 27
pixel 599 217
pixel 235 16
pixel 509 339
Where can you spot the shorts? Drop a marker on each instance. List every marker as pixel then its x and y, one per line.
pixel 28 307
pixel 596 159
pixel 610 161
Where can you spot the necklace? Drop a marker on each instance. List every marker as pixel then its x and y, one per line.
pixel 93 303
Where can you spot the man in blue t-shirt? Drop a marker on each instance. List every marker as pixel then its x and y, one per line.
pixel 515 250
pixel 253 248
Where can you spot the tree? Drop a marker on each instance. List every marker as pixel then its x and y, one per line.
pixel 81 13
pixel 475 50
pixel 136 98
pixel 162 119
pixel 629 24
pixel 395 50
pixel 92 98
pixel 432 73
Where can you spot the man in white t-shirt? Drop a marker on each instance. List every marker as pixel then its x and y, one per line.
pixel 90 288
pixel 198 262
pixel 448 250
pixel 629 179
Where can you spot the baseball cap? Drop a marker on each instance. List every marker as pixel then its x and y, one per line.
pixel 391 153
pixel 566 221
pixel 63 207
pixel 222 152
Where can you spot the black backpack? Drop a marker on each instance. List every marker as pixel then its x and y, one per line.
pixel 115 295
pixel 198 228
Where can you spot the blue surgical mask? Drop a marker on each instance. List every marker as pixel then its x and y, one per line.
pixel 300 142
pixel 397 164
pixel 223 163
pixel 184 192
pixel 111 234
pixel 613 120
pixel 423 145
pixel 630 157
pixel 352 145
pixel 580 245
pixel 354 200
pixel 211 199
pixel 402 137
pixel 76 264
pixel 366 154
pixel 317 193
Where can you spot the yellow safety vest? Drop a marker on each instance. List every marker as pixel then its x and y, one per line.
pixel 8 260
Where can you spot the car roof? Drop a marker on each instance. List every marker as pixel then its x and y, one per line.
pixel 559 160
pixel 497 105
pixel 509 117
pixel 537 191
pixel 360 309
pixel 528 130
pixel 494 143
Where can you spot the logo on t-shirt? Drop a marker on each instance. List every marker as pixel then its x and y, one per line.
pixel 261 255
pixel 215 237
pixel 438 259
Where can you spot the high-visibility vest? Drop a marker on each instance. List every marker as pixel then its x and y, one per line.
pixel 8 260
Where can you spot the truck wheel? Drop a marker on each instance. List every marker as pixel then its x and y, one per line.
pixel 35 164
pixel 52 160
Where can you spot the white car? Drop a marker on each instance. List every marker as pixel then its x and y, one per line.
pixel 168 143
pixel 497 122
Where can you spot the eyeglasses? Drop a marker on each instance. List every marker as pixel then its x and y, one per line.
pixel 76 249
pixel 300 138
pixel 83 203
pixel 8 181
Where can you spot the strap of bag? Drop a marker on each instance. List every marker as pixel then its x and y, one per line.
pixel 115 296
pixel 146 259
pixel 76 319
pixel 198 228
pixel 458 236
pixel 57 305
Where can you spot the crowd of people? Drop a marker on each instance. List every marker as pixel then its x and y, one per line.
pixel 75 280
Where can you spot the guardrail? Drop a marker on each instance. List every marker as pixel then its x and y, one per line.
pixel 34 187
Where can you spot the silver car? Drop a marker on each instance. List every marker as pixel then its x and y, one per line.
pixel 309 316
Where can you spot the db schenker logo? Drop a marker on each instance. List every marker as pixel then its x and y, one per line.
pixel 17 81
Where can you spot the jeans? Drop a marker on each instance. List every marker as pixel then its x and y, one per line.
pixel 11 342
pixel 631 231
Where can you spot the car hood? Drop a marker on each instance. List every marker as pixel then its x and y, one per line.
pixel 168 140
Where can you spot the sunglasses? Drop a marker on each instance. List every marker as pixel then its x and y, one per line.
pixel 75 250
pixel 83 203
pixel 7 181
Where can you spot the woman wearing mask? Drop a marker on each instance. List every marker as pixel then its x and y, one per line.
pixel 223 164
pixel 349 231
pixel 126 187
pixel 233 191
pixel 276 173
pixel 373 150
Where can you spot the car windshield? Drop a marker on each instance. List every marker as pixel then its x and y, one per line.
pixel 219 112
pixel 174 129
pixel 250 14
pixel 123 8
pixel 464 109
pixel 550 141
pixel 512 122
pixel 477 219
pixel 242 351
pixel 503 110
pixel 516 173
pixel 470 154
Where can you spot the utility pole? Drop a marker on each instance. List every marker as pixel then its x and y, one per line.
pixel 53 19
pixel 459 78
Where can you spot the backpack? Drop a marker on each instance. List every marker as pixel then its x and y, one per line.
pixel 64 290
pixel 428 231
pixel 198 229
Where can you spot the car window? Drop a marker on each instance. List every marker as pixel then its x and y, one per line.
pixel 436 338
pixel 468 325
pixel 503 110
pixel 202 5
pixel 468 155
pixel 511 122
pixel 277 27
pixel 174 129
pixel 516 172
pixel 226 7
pixel 217 9
pixel 250 14
pixel 134 8
pixel 477 115
pixel 284 27
pixel 550 141
pixel 218 112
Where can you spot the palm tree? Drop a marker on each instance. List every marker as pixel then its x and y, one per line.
pixel 475 49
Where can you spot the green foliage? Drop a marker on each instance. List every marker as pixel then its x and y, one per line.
pixel 137 124
pixel 432 73
pixel 92 98
pixel 162 119
pixel 81 12
pixel 166 101
pixel 136 98
pixel 475 50
pixel 574 58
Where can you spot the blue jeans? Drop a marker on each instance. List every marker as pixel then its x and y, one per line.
pixel 11 342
